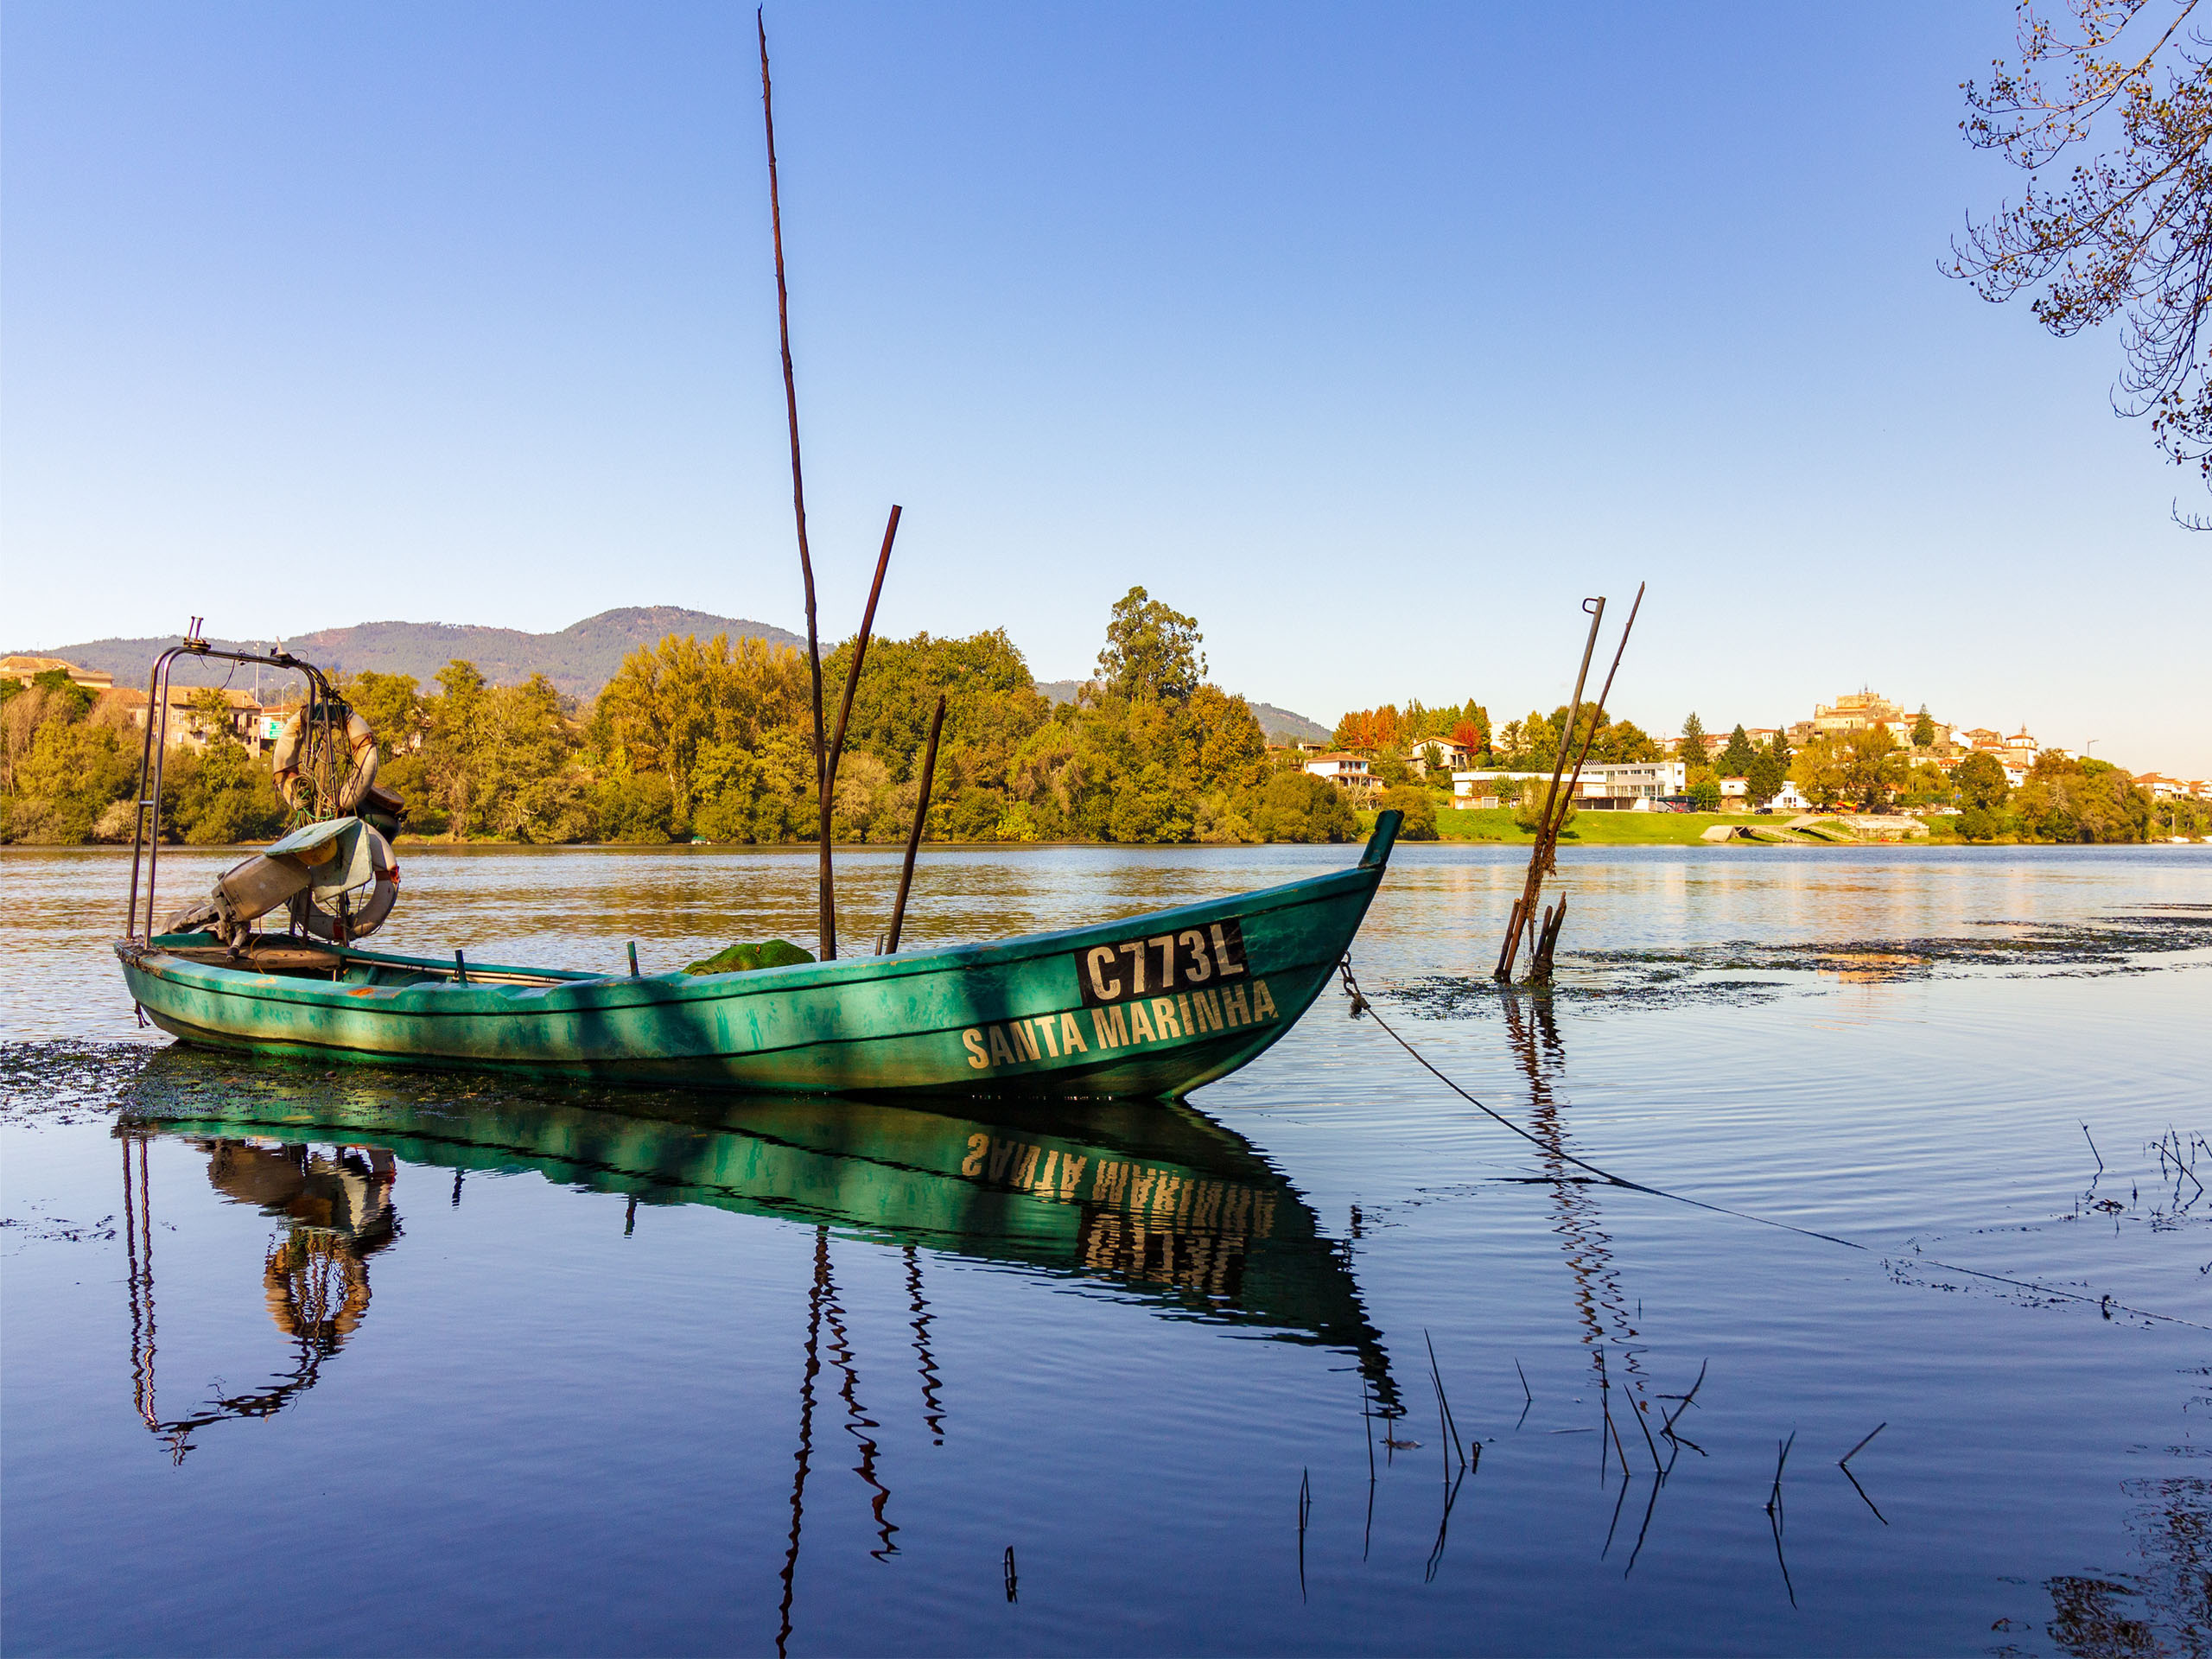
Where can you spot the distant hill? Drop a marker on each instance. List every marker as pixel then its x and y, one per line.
pixel 579 659
pixel 1280 724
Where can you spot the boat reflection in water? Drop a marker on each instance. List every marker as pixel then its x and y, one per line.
pixel 337 1210
pixel 1148 1200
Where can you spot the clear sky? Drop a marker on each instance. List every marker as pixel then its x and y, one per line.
pixel 1374 336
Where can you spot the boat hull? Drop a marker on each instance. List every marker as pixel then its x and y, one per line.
pixel 1151 1006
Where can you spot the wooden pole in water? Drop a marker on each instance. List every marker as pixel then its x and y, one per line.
pixel 1543 860
pixel 827 902
pixel 1552 828
pixel 860 649
pixel 914 835
pixel 1534 881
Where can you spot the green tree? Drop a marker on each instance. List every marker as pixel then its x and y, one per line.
pixel 1624 743
pixel 1766 775
pixel 1152 651
pixel 524 785
pixel 66 780
pixel 1528 813
pixel 453 747
pixel 220 796
pixel 1981 782
pixel 1923 730
pixel 1297 806
pixel 1692 744
pixel 1705 795
pixel 1735 761
pixel 1418 806
pixel 391 703
pixel 2082 801
pixel 207 714
pixel 1822 771
pixel 1874 767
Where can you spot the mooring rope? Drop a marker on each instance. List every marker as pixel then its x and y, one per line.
pixel 1361 1006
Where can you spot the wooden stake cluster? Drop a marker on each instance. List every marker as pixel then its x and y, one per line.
pixel 826 754
pixel 1543 938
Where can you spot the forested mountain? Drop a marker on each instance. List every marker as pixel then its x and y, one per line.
pixel 578 660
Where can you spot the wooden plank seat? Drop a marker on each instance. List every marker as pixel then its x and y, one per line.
pixel 272 957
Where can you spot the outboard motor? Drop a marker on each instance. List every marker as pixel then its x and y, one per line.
pixel 340 878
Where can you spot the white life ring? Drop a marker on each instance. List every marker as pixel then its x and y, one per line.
pixel 333 917
pixel 361 748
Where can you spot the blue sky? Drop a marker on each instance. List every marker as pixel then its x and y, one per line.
pixel 1374 337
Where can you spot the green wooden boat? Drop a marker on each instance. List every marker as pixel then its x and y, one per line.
pixel 1149 1006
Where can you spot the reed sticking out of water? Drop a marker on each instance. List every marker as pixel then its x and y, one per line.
pixel 1443 1526
pixel 1863 1498
pixel 1656 1461
pixel 1650 1505
pixel 1012 1579
pixel 1668 1427
pixel 1844 1462
pixel 1367 1417
pixel 2094 1153
pixel 1446 1424
pixel 1774 1498
pixel 1305 1508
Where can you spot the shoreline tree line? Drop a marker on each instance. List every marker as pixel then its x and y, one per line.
pixel 712 740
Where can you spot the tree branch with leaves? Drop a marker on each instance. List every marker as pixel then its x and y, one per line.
pixel 2123 90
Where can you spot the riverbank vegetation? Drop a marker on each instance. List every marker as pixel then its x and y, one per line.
pixel 712 740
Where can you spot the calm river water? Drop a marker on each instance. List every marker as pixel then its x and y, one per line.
pixel 299 1361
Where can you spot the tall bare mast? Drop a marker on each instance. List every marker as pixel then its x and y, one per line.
pixel 827 926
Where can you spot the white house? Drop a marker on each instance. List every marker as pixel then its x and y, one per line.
pixel 1348 771
pixel 1629 787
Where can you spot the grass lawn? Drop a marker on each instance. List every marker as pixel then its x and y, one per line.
pixel 1589 829
pixel 1606 828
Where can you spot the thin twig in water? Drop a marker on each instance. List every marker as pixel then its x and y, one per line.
pixel 1668 1427
pixel 1436 1555
pixel 1645 1528
pixel 1774 1521
pixel 2094 1153
pixel 1436 1374
pixel 1861 1491
pixel 1774 1498
pixel 1844 1461
pixel 1305 1507
pixel 1637 1405
pixel 1618 1502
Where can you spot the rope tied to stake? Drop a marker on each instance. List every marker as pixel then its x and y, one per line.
pixel 1360 1005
